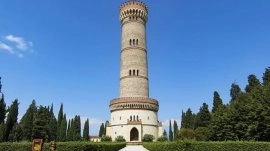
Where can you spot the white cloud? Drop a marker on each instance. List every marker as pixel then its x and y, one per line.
pixel 16 45
pixel 6 47
pixel 19 41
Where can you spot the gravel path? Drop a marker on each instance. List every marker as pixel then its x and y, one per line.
pixel 134 148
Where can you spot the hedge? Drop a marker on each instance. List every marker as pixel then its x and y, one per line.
pixel 65 146
pixel 207 146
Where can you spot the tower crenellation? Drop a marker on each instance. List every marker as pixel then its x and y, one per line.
pixel 133 10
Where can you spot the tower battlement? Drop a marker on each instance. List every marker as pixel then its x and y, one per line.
pixel 132 9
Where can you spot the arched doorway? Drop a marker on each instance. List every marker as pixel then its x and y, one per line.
pixel 134 134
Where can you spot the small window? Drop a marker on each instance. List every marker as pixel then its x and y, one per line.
pixel 133 41
pixel 137 42
pixel 148 117
pixel 137 118
pixel 129 17
pixel 130 118
pixel 129 72
pixel 130 41
pixel 120 117
pixel 133 117
pixel 133 72
pixel 137 72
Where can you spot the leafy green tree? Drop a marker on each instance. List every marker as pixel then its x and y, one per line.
pixel 148 138
pixel 86 130
pixel 235 91
pixel 52 125
pixel 170 131
pixel 106 138
pixel 253 83
pixel 2 109
pixel 202 134
pixel 40 126
pixel 59 120
pixel 101 130
pixel 185 133
pixel 217 102
pixel 203 117
pixel 175 129
pixel 27 121
pixel 266 76
pixel 63 129
pixel 11 118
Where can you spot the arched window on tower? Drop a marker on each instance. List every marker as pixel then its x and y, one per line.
pixel 130 41
pixel 137 118
pixel 130 118
pixel 134 72
pixel 129 72
pixel 137 42
pixel 133 41
pixel 133 117
pixel 137 72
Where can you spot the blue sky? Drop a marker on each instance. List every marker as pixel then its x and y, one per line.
pixel 69 51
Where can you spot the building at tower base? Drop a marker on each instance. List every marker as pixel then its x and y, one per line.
pixel 134 114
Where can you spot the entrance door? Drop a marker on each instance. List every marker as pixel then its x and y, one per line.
pixel 134 134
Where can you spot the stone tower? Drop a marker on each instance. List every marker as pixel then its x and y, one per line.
pixel 134 114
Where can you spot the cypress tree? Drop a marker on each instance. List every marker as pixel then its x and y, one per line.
pixel 170 132
pixel 187 119
pixel 253 83
pixel 40 126
pixel 217 102
pixel 52 125
pixel 69 131
pixel 63 129
pixel 27 121
pixel 203 117
pixel 235 91
pixel 11 118
pixel 59 120
pixel 101 130
pixel 77 128
pixel 2 132
pixel 175 129
pixel 86 130
pixel 2 109
pixel 266 76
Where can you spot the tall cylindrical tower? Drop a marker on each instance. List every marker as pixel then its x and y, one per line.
pixel 133 114
pixel 134 72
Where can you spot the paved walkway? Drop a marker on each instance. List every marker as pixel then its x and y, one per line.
pixel 134 148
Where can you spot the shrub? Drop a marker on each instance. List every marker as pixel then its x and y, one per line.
pixel 65 146
pixel 190 145
pixel 202 134
pixel 148 138
pixel 120 139
pixel 162 139
pixel 106 138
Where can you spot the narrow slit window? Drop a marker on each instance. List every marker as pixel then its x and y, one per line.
pixel 137 42
pixel 130 41
pixel 137 72
pixel 133 41
pixel 133 72
pixel 129 72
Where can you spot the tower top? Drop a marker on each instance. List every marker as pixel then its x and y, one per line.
pixel 133 8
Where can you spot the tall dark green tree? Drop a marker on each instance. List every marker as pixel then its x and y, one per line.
pixel 3 132
pixel 27 121
pixel 253 83
pixel 40 126
pixel 170 131
pixel 2 109
pixel 175 129
pixel 11 118
pixel 203 117
pixel 101 130
pixel 77 128
pixel 235 91
pixel 266 76
pixel 63 129
pixel 188 119
pixel 86 130
pixel 59 120
pixel 217 102
pixel 52 125
pixel 69 131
